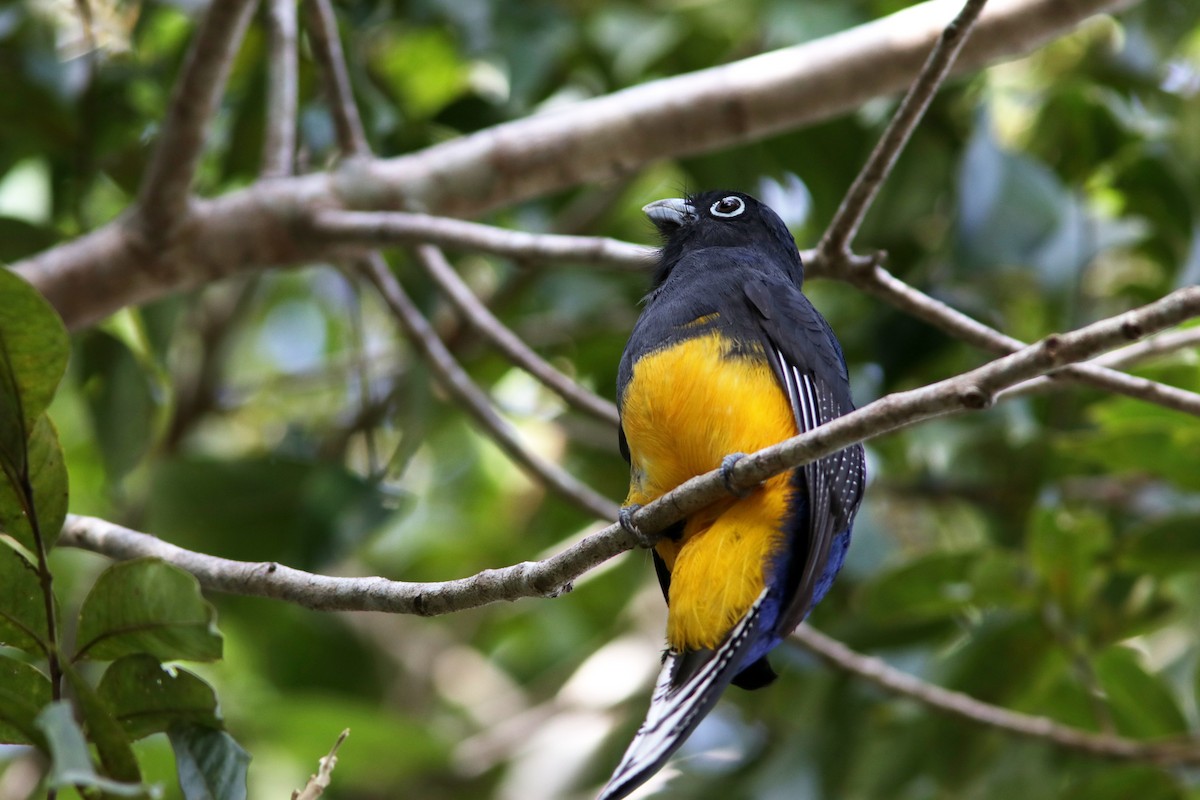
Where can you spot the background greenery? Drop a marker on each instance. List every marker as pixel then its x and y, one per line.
pixel 1041 556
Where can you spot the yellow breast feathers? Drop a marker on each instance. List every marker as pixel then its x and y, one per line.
pixel 685 408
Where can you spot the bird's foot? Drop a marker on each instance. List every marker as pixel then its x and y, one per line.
pixel 625 519
pixel 727 464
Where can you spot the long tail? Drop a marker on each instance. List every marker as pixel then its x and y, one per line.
pixel 687 689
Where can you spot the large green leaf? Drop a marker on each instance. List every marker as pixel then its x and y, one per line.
pixel 147 606
pixel 1142 703
pixel 212 766
pixel 24 690
pixel 1164 546
pixel 45 492
pixel 111 742
pixel 147 698
pixel 70 758
pixel 22 604
pixel 33 357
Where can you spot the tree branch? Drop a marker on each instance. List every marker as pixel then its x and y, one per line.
pixel 547 578
pixel 343 228
pixel 876 280
pixel 163 197
pixel 1161 345
pixel 470 397
pixel 398 228
pixel 969 391
pixel 94 275
pixel 879 673
pixel 327 46
pixel 478 316
pixel 854 206
pixel 449 373
pixel 279 141
pixel 1154 392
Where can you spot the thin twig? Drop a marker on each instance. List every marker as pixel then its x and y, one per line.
pixel 320 592
pixel 346 227
pixel 89 277
pixel 197 378
pixel 395 228
pixel 877 281
pixel 1156 347
pixel 478 316
pixel 279 141
pixel 839 236
pixel 969 391
pixel 398 228
pixel 327 46
pixel 164 194
pixel 317 784
pixel 453 378
pixel 471 398
pixel 879 673
pixel 1165 344
pixel 972 390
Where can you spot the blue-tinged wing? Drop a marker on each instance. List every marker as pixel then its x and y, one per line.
pixel 808 362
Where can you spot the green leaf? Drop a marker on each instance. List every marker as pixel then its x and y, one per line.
pixel 120 398
pixel 1163 547
pixel 212 766
pixel 147 698
pixel 147 606
pixel 1135 438
pixel 70 761
pixel 1123 782
pixel 45 492
pixel 112 744
pixel 33 357
pixel 1064 544
pixel 297 512
pixel 22 605
pixel 1141 701
pixel 19 238
pixel 24 690
pixel 934 587
pixel 424 68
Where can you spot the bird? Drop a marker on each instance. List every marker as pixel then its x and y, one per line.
pixel 727 357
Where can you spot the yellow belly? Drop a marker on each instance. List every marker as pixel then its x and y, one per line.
pixel 684 409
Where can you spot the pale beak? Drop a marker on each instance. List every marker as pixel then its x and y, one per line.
pixel 669 214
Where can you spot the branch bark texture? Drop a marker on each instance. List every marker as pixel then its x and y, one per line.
pixel 970 391
pixel 264 225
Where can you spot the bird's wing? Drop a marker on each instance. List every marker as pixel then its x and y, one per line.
pixel 808 362
pixel 687 688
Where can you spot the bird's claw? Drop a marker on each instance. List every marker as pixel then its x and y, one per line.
pixel 625 519
pixel 727 464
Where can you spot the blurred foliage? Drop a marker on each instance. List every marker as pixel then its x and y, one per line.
pixel 1041 556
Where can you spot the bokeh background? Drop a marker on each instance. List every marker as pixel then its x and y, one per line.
pixel 1041 556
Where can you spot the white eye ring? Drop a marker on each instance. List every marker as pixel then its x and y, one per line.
pixel 724 201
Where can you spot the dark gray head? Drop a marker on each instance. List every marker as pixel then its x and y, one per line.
pixel 720 219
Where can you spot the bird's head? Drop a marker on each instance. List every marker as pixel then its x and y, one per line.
pixel 720 219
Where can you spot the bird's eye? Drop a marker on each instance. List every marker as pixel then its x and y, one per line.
pixel 728 206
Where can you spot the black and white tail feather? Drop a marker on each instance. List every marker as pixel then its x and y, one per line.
pixel 683 695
